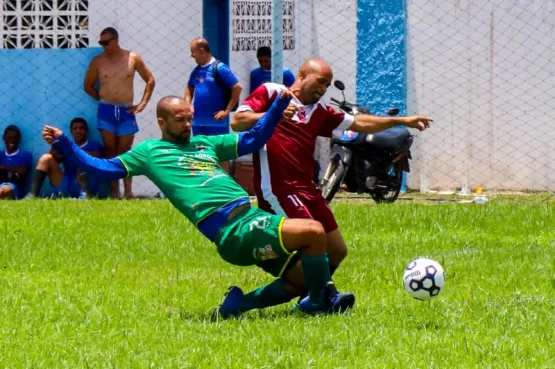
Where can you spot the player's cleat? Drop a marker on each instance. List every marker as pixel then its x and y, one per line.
pixel 332 290
pixel 230 306
pixel 334 302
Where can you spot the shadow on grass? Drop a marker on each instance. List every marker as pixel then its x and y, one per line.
pixel 211 317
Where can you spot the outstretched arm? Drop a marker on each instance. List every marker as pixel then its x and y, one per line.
pixel 107 169
pixel 365 123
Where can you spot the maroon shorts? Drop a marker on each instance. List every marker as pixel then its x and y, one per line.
pixel 298 203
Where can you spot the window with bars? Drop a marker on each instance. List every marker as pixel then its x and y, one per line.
pixel 44 24
pixel 252 24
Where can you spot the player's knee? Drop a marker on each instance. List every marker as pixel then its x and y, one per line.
pixel 316 234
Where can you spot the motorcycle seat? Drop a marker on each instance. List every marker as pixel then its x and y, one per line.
pixel 392 139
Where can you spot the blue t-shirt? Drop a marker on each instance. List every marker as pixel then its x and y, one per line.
pixel 260 76
pixel 209 97
pixel 20 158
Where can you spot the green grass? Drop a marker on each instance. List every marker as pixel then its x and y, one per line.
pixel 119 284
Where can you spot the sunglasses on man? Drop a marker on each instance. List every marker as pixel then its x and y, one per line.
pixel 106 42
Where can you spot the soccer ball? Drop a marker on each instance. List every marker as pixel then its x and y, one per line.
pixel 423 278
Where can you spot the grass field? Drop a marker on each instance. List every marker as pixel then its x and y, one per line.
pixel 130 284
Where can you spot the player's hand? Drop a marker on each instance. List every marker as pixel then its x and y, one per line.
pixel 221 115
pixel 290 111
pixel 286 94
pixel 418 122
pixel 136 109
pixel 51 134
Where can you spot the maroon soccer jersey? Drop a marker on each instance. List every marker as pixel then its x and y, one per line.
pixel 288 157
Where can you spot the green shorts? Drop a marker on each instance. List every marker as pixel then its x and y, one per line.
pixel 253 237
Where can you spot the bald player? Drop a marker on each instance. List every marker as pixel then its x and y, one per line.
pixel 283 169
pixel 188 173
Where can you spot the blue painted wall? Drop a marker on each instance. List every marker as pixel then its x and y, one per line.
pixel 39 86
pixel 215 27
pixel 45 86
pixel 381 55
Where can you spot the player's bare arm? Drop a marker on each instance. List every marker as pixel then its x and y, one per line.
pixel 244 120
pixel 90 79
pixel 365 123
pixel 148 78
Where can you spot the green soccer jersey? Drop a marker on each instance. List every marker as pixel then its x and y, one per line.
pixel 190 175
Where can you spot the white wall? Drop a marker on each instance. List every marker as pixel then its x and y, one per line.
pixel 323 28
pixel 484 71
pixel 161 34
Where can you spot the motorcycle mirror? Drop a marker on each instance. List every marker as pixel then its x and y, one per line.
pixel 339 85
pixel 393 111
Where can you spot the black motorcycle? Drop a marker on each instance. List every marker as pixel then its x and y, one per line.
pixel 367 163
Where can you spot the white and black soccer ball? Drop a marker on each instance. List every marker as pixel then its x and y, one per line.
pixel 423 278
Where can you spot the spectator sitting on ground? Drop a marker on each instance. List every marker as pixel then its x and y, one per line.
pixel 263 74
pixel 14 165
pixel 68 182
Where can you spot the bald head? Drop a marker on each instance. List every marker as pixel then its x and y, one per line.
pixel 200 51
pixel 174 118
pixel 315 65
pixel 200 43
pixel 315 76
pixel 167 105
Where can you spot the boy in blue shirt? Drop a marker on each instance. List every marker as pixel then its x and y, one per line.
pixel 263 74
pixel 14 165
pixel 67 182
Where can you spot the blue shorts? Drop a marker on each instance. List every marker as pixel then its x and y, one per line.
pixel 210 130
pixel 68 188
pixel 13 187
pixel 116 119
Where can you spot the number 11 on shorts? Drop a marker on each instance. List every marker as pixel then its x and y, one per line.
pixel 295 200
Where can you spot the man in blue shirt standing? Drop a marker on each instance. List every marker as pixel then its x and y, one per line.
pixel 213 91
pixel 263 74
pixel 15 165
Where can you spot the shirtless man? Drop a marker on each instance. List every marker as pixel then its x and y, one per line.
pixel 115 70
